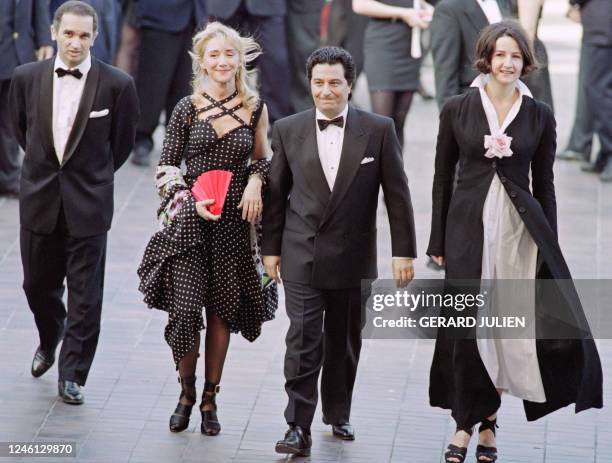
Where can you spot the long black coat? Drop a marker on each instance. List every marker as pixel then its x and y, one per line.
pixel 571 370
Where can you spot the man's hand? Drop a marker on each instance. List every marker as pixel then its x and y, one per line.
pixel 439 260
pixel 202 210
pixel 403 272
pixel 272 266
pixel 45 52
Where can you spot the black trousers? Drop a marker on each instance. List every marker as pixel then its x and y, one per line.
pixel 164 72
pixel 48 260
pixel 598 75
pixel 539 81
pixel 303 37
pixel 324 336
pixel 273 64
pixel 9 149
pixel 581 139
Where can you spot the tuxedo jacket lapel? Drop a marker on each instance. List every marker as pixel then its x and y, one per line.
pixel 476 16
pixel 353 149
pixel 45 108
pixel 309 159
pixel 82 115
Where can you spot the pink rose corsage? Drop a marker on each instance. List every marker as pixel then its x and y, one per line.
pixel 498 145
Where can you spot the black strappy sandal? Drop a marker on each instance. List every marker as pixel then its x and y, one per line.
pixel 179 421
pixel 455 452
pixel 482 451
pixel 210 423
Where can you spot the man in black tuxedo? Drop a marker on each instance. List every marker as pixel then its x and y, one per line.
pixel 455 28
pixel 265 20
pixel 75 117
pixel 320 218
pixel 24 37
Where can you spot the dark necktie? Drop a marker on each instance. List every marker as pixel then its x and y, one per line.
pixel 61 72
pixel 324 123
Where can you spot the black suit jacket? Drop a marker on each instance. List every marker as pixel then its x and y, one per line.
pixel 455 28
pixel 328 239
pixel 30 32
pixel 224 9
pixel 83 183
pixel 170 15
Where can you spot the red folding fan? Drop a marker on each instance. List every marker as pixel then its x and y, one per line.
pixel 212 185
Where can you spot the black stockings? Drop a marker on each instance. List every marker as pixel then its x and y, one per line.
pixel 216 343
pixel 394 105
pixel 215 349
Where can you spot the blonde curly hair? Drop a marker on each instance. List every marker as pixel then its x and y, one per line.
pixel 248 50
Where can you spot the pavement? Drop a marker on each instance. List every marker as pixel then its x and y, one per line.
pixel 132 389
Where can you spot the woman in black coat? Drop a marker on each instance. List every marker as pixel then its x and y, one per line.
pixel 486 224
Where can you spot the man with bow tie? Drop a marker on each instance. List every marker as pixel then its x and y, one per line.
pixel 75 117
pixel 319 235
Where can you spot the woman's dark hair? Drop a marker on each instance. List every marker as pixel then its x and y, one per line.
pixel 332 55
pixel 488 38
pixel 76 8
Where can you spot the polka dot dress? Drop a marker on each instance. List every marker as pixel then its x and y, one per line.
pixel 191 263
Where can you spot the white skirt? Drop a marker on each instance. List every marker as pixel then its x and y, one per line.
pixel 509 253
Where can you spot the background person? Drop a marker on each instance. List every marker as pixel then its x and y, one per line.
pixel 393 73
pixel 24 37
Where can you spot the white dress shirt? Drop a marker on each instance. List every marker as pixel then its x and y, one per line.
pixel 67 92
pixel 329 143
pixel 491 10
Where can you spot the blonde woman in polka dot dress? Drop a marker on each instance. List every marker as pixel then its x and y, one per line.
pixel 199 260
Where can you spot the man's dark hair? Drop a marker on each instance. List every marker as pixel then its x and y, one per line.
pixel 332 55
pixel 77 8
pixel 488 38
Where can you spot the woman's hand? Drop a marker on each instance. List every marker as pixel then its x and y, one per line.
pixel 251 203
pixel 439 260
pixel 202 210
pixel 416 18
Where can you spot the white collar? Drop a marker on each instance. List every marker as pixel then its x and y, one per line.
pixel 320 115
pixel 84 67
pixel 479 82
pixel 482 79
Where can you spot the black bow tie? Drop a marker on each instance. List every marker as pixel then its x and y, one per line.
pixel 61 72
pixel 324 123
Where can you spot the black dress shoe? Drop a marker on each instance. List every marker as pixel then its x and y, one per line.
pixel 606 174
pixel 296 442
pixel 571 155
pixel 591 168
pixel 140 156
pixel 41 362
pixel 70 392
pixel 343 431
